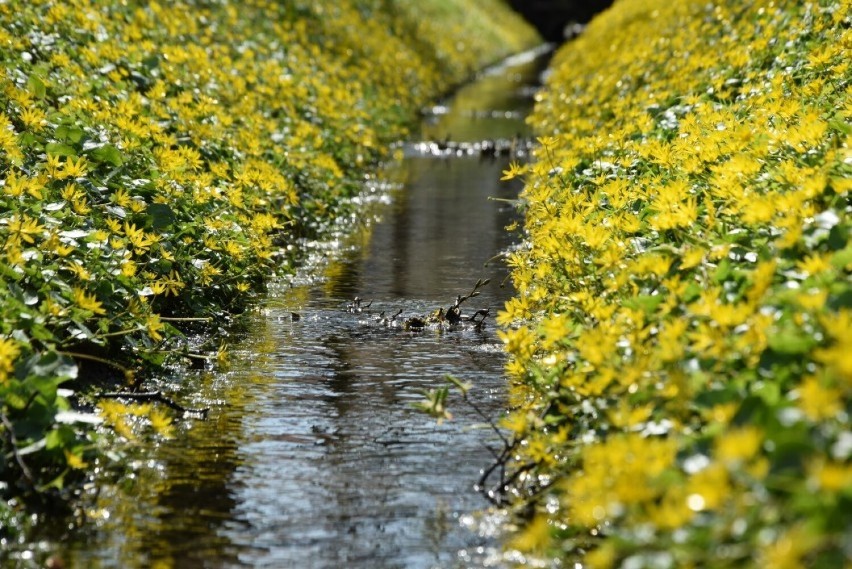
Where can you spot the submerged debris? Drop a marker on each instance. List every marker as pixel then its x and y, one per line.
pixel 439 318
pixel 357 305
pixel 516 147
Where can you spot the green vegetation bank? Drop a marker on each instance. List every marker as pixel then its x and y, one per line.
pixel 681 336
pixel 157 163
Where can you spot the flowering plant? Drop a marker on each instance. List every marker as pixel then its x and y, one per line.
pixel 681 334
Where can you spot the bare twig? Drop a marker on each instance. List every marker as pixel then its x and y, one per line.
pixel 489 420
pixel 97 359
pixel 497 495
pixel 13 442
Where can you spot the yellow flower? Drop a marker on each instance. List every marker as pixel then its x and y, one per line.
pixel 33 118
pixel 53 166
pixel 14 186
pixel 519 342
pixel 128 268
pixel 514 171
pixel 208 271
pixel 24 227
pixel 619 471
pixel 161 422
pixel 837 324
pixel 708 488
pixel 74 169
pixel 830 476
pixel 121 198
pixel 740 444
pixel 113 225
pixel 534 537
pixel 74 460
pixel 814 264
pixel 788 549
pixel 626 415
pixel 87 302
pixel 692 257
pixel 672 511
pixel 9 351
pixel 137 237
pixel 819 402
pixel 602 557
pixel 172 285
pixel 78 269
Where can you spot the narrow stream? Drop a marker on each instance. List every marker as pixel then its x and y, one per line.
pixel 312 455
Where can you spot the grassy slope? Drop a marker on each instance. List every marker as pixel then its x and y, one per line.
pixel 681 336
pixel 157 159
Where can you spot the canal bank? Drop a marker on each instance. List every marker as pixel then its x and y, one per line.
pixel 680 337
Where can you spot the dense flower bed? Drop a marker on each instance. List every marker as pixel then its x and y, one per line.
pixel 157 159
pixel 681 335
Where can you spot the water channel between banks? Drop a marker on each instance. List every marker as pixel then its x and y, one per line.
pixel 312 455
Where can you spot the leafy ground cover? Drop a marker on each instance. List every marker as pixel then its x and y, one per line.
pixel 159 163
pixel 680 339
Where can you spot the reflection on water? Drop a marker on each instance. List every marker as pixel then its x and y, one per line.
pixel 312 455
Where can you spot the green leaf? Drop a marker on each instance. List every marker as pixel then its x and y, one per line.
pixel 14 399
pixel 36 87
pixel 8 272
pixel 58 483
pixel 723 271
pixel 692 292
pixel 162 216
pixel 30 140
pixel 841 299
pixel 70 133
pixel 769 391
pixel 838 236
pixel 60 437
pixel 60 149
pixel 434 404
pixel 645 302
pixel 842 259
pixel 711 398
pixel 151 62
pixel 791 342
pixel 52 364
pixel 462 386
pixel 80 331
pixel 840 125
pixel 107 153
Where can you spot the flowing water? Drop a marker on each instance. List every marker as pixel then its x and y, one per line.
pixel 312 455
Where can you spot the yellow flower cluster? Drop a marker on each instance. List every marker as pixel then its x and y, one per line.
pixel 680 337
pixel 133 134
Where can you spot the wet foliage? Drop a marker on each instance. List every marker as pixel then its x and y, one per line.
pixel 159 163
pixel 681 335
